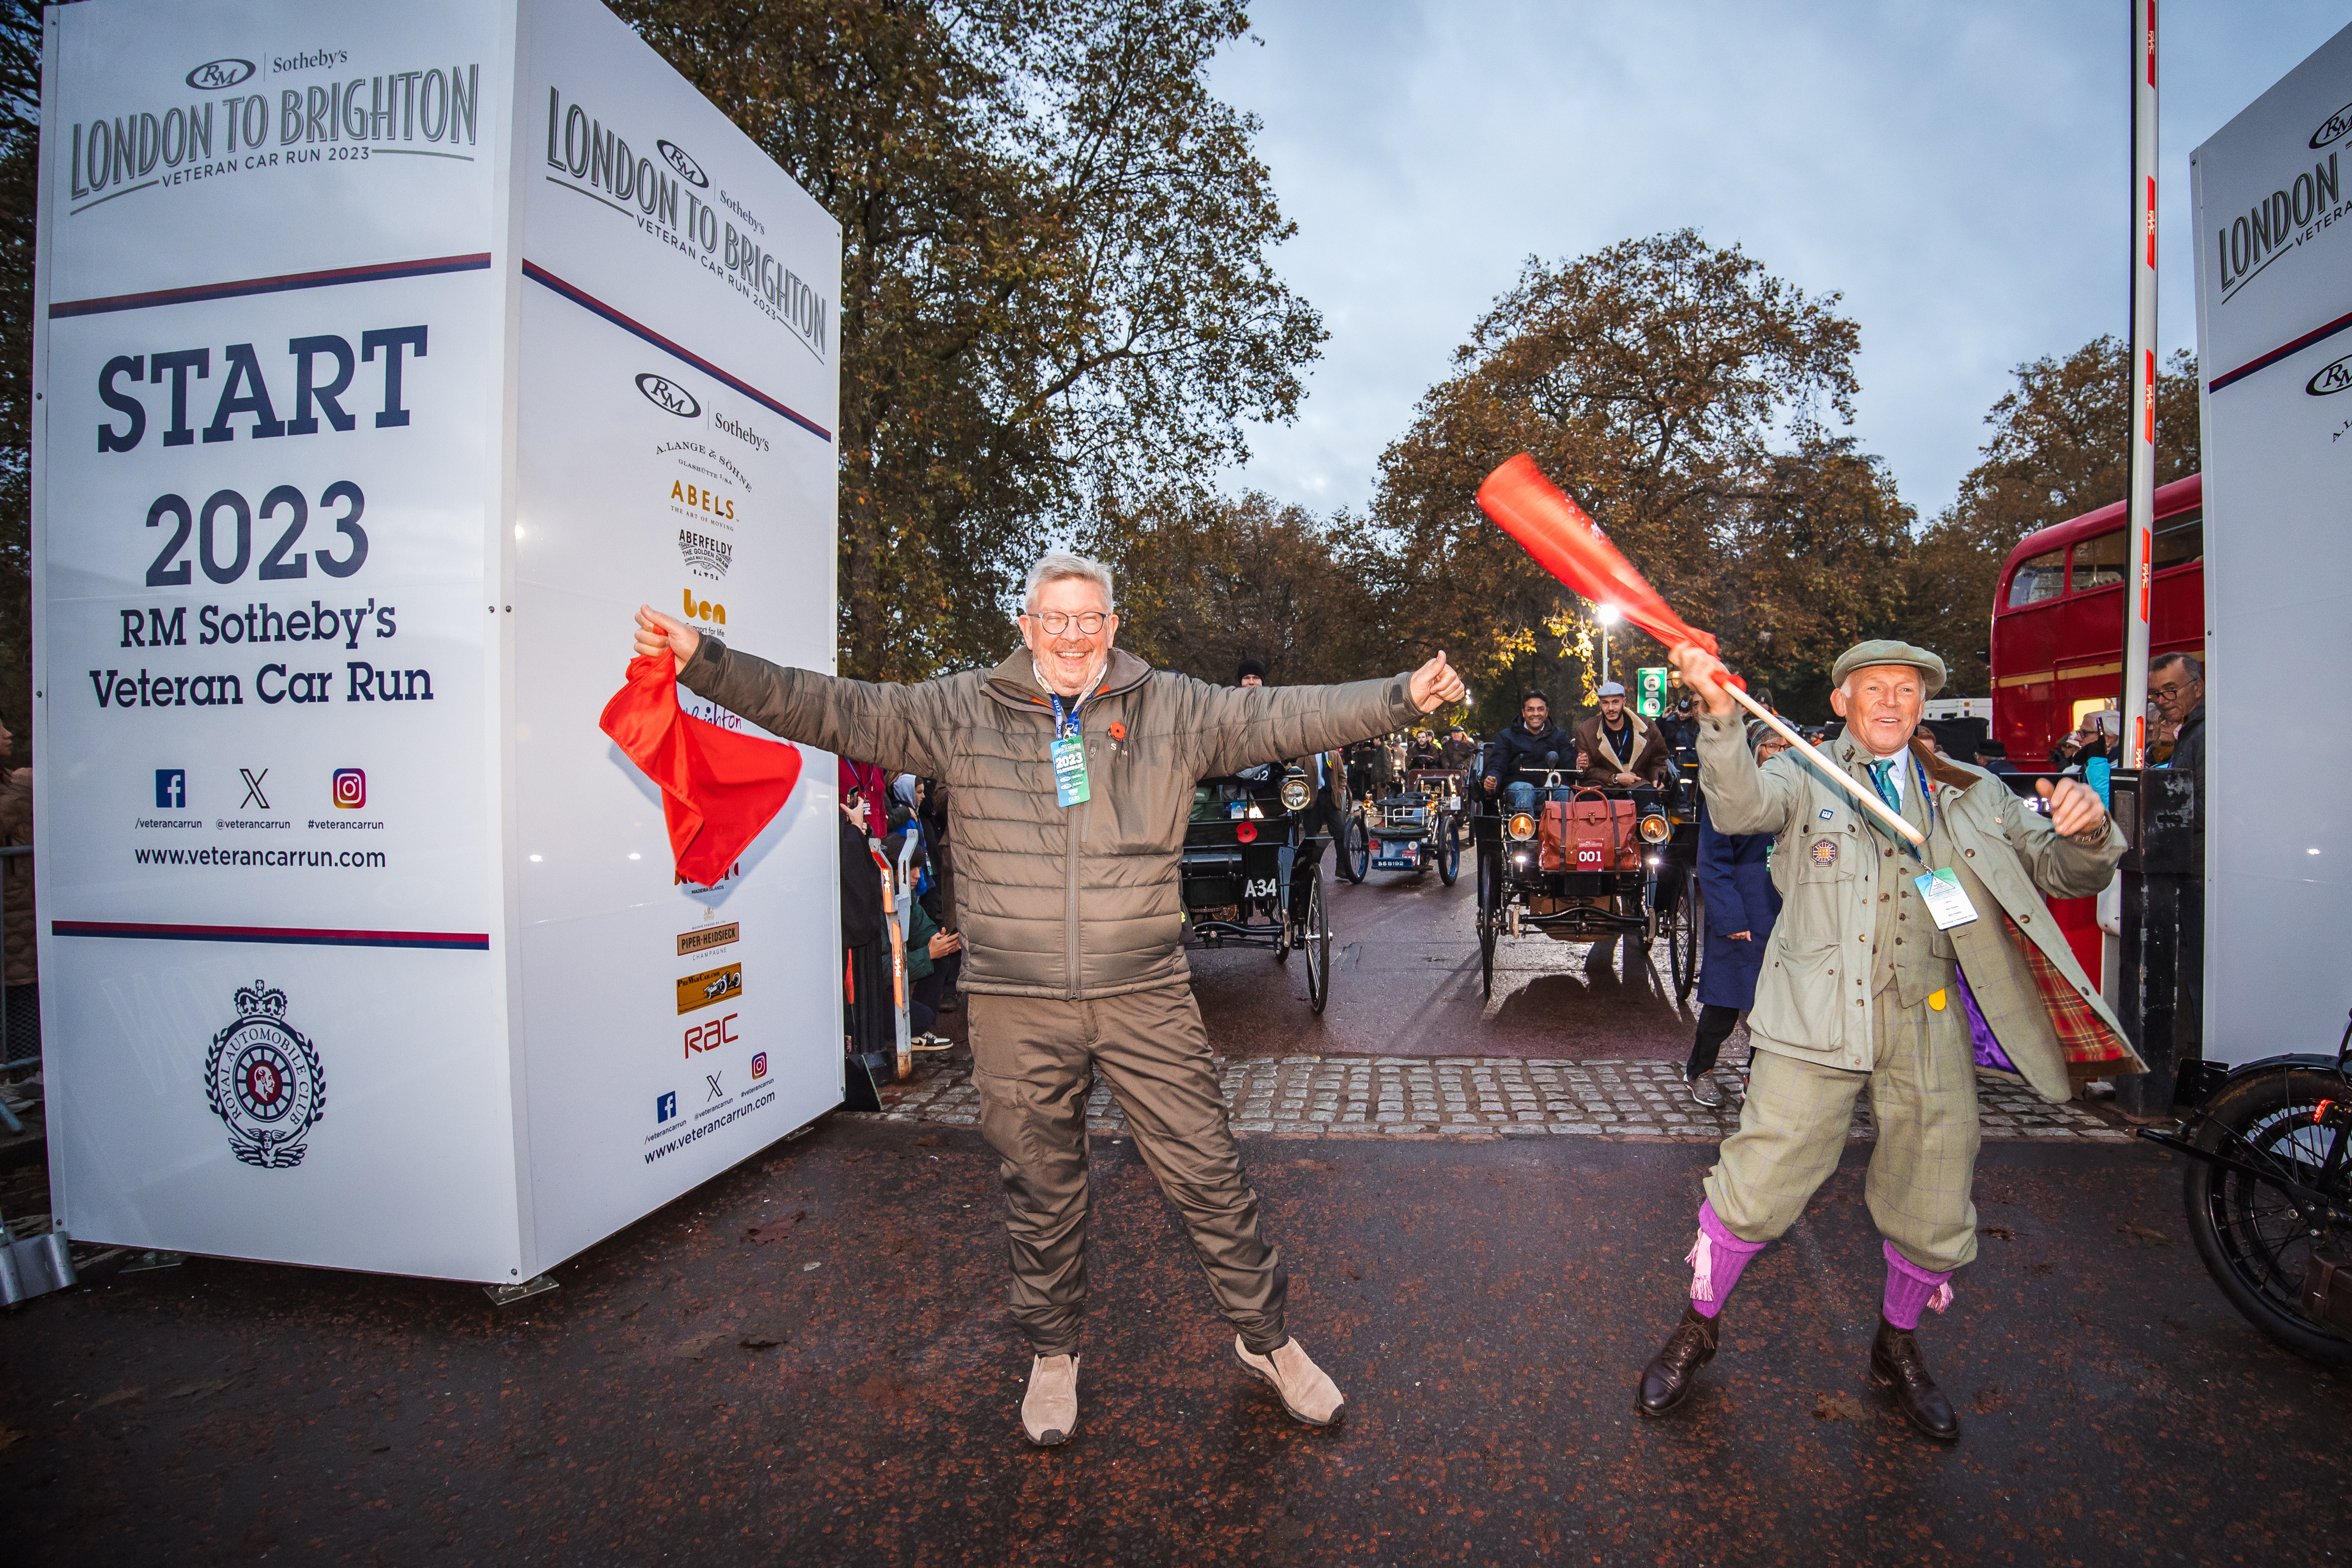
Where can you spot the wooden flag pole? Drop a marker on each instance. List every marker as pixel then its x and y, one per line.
pixel 1869 798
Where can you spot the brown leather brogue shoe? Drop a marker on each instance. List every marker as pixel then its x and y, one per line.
pixel 1667 1381
pixel 1895 1363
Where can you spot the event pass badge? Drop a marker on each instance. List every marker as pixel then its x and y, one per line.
pixel 1070 771
pixel 1946 902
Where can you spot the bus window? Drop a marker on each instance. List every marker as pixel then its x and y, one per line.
pixel 2038 578
pixel 2099 563
pixel 2179 539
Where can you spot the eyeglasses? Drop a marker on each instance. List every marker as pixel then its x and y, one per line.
pixel 1054 623
pixel 2167 690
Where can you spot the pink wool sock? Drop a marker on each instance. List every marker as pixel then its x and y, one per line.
pixel 1716 1259
pixel 1910 1287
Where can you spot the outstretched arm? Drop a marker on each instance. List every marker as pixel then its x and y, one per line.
pixel 1243 725
pixel 900 727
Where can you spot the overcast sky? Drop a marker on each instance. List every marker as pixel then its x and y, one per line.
pixel 1959 173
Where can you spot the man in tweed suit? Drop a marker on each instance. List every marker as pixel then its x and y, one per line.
pixel 1899 971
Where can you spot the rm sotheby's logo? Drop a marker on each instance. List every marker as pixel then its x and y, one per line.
pixel 676 157
pixel 2331 379
pixel 2332 129
pixel 669 396
pixel 264 1082
pixel 219 73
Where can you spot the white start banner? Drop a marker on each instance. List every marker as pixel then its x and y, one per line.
pixel 2273 195
pixel 386 358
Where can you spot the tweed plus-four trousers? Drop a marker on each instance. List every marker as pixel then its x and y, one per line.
pixel 1923 1095
pixel 1034 1061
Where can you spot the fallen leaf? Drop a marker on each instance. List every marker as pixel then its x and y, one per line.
pixel 1836 1407
pixel 117 1397
pixel 1998 1232
pixel 691 1350
pixel 199 1390
pixel 9 1436
pixel 2039 1268
pixel 2139 1232
pixel 1988 1399
pixel 775 1228
pixel 763 1337
pixel 929 1140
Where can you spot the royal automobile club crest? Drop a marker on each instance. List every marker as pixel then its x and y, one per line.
pixel 264 1082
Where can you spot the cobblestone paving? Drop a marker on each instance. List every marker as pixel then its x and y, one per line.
pixel 1475 1096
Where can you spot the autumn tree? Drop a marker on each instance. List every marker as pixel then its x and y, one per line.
pixel 1685 396
pixel 2060 448
pixel 1057 289
pixel 20 136
pixel 1206 584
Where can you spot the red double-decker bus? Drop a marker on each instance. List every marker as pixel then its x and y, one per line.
pixel 2058 618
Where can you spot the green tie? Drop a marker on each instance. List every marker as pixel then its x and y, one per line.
pixel 1878 776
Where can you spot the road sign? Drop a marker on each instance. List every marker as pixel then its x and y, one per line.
pixel 1650 692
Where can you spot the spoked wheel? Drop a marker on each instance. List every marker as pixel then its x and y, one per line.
pixel 1449 850
pixel 1356 851
pixel 1490 914
pixel 2250 1237
pixel 1682 937
pixel 1317 928
pixel 1289 927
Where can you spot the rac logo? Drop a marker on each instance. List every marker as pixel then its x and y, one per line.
pixel 222 73
pixel 676 158
pixel 2334 128
pixel 669 396
pixel 2331 379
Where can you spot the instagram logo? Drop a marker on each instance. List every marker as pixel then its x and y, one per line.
pixel 351 789
pixel 759 1065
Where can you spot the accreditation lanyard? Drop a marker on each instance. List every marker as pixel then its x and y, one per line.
pixel 1947 903
pixel 1069 753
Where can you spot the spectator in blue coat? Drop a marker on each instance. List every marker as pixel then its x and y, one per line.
pixel 1734 878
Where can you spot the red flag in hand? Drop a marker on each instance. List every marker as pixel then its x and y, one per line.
pixel 1570 546
pixel 719 789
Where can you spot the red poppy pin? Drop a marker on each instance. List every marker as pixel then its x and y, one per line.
pixel 1118 731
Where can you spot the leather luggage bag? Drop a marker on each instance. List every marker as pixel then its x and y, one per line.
pixel 1584 834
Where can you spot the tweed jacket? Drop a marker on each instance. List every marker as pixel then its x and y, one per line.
pixel 1828 865
pixel 1061 902
pixel 1651 761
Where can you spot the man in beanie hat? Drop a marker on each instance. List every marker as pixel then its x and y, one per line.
pixel 1252 673
pixel 1900 971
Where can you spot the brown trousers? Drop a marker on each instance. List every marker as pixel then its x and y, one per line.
pixel 1034 1061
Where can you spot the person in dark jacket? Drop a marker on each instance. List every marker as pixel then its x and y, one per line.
pixel 2175 687
pixel 1535 741
pixel 1734 878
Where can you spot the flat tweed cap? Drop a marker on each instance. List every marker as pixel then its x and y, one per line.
pixel 1886 650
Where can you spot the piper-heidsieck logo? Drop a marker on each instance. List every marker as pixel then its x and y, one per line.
pixel 265 1081
pixel 669 396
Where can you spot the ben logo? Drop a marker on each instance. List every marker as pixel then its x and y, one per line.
pixel 668 395
pixel 215 74
pixel 2334 128
pixel 263 1081
pixel 676 157
pixel 2331 379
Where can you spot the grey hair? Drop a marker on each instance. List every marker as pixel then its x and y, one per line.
pixel 2195 666
pixel 1056 564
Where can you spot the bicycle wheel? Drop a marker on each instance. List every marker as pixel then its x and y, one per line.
pixel 1682 940
pixel 1490 913
pixel 1317 930
pixel 1449 850
pixel 2248 1234
pixel 1356 851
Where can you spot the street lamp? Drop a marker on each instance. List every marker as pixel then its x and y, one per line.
pixel 1608 615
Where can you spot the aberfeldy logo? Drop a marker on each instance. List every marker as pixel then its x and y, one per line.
pixel 113 154
pixel 2277 223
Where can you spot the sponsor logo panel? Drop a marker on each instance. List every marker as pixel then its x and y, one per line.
pixel 693 941
pixel 710 988
pixel 265 1081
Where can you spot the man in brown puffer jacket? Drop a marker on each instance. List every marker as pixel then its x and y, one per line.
pixel 1070 770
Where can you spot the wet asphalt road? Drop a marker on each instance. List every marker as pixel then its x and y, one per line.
pixel 1485 1305
pixel 1405 981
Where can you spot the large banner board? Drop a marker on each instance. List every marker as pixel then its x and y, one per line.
pixel 386 358
pixel 2273 212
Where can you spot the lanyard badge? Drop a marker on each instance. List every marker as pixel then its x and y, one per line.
pixel 1069 753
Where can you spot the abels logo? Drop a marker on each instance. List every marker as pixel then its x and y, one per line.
pixel 669 396
pixel 219 73
pixel 676 157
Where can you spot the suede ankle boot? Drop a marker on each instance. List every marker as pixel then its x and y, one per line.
pixel 1305 1391
pixel 1049 1411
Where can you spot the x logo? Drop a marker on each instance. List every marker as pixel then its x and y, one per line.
pixel 253 795
pixel 712 1080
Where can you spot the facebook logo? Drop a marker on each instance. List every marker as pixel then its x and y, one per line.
pixel 170 789
pixel 665 1107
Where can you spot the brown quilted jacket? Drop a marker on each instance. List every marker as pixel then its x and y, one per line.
pixel 1063 901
